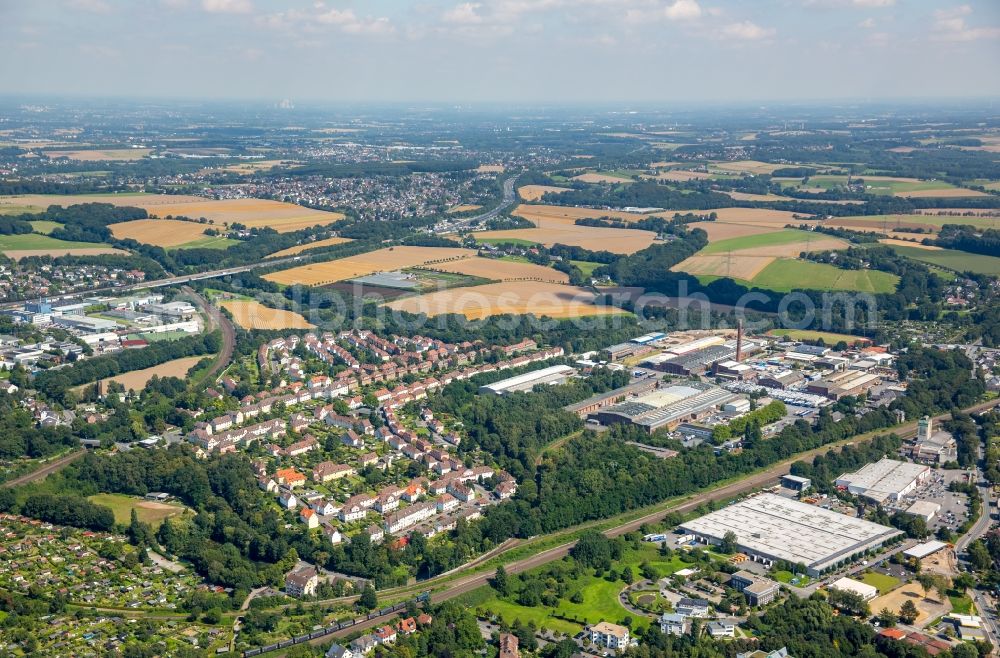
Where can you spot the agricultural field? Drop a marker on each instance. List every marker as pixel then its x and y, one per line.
pixel 516 297
pixel 597 177
pixel 909 243
pixel 679 175
pixel 586 266
pixel 549 216
pixel 718 231
pixel 148 511
pixel 536 192
pixel 210 242
pixel 787 242
pixel 749 196
pixel 496 269
pixel 960 261
pixel 44 226
pixel 748 166
pixel 490 169
pixel 251 314
pixel 136 199
pixel 596 238
pixel 34 244
pixel 252 213
pixel 466 207
pixel 100 155
pixel 160 232
pixel 383 260
pixel 829 337
pixel 773 219
pixel 137 379
pixel 299 248
pixel 787 274
pixel 891 185
pixel 930 222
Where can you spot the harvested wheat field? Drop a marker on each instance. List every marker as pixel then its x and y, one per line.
pixel 521 297
pixel 137 379
pixel 551 216
pixel 490 169
pixel 928 608
pixel 600 178
pixel 138 200
pixel 502 270
pixel 254 315
pixel 744 267
pixel 103 155
pixel 18 254
pixel 536 192
pixel 383 260
pixel 749 196
pixel 595 238
pixel 748 166
pixel 252 213
pixel 159 232
pixel 950 193
pixel 466 207
pixel 679 175
pixel 752 216
pixel 663 164
pixel 299 248
pixel 907 243
pixel 722 231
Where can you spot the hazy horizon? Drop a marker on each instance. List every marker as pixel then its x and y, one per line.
pixel 517 52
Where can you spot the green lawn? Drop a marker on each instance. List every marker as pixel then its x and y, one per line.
pixel 786 236
pixel 209 242
pixel 586 266
pixel 36 241
pixel 44 226
pixel 486 598
pixel 18 210
pixel 961 604
pixel 787 274
pixel 151 513
pixel 879 186
pixel 881 581
pixel 952 259
pixel 828 337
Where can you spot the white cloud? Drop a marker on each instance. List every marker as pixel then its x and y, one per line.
pixel 466 13
pixel 95 6
pixel 347 21
pixel 227 6
pixel 867 24
pixel 682 10
pixel 313 21
pixel 951 25
pixel 873 3
pixel 747 31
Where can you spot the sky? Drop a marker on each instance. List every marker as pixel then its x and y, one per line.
pixel 502 51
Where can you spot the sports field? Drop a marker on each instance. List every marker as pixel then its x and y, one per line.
pixel 515 297
pixel 148 511
pixel 960 261
pixel 251 314
pixel 497 269
pixel 536 192
pixel 160 232
pixel 383 260
pixel 299 248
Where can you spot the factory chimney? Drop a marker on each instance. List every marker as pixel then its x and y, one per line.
pixel 739 340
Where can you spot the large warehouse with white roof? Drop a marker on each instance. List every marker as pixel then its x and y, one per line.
pixel 771 528
pixel 887 480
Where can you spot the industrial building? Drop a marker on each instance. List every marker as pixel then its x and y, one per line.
pixel 770 528
pixel 528 380
pixel 795 483
pixel 666 407
pixel 843 384
pixel 864 590
pixel 84 323
pixel 887 480
pixel 932 447
pixel 925 509
pixel 781 380
pixel 601 400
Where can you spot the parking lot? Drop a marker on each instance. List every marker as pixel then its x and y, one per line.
pixel 954 508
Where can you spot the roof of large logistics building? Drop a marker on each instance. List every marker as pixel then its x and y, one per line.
pixel 785 529
pixel 526 378
pixel 882 479
pixel 670 403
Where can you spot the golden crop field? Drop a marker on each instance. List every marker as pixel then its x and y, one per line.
pixel 102 155
pixel 18 254
pixel 742 266
pixel 252 213
pixel 595 238
pixel 752 216
pixel 465 207
pixel 749 196
pixel 43 201
pixel 383 260
pixel 950 193
pixel 490 169
pixel 536 192
pixel 254 315
pixel 908 243
pixel 679 175
pixel 749 166
pixel 159 232
pixel 299 248
pixel 549 216
pixel 517 297
pixel 137 379
pixel 600 178
pixel 502 270
pixel 723 231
